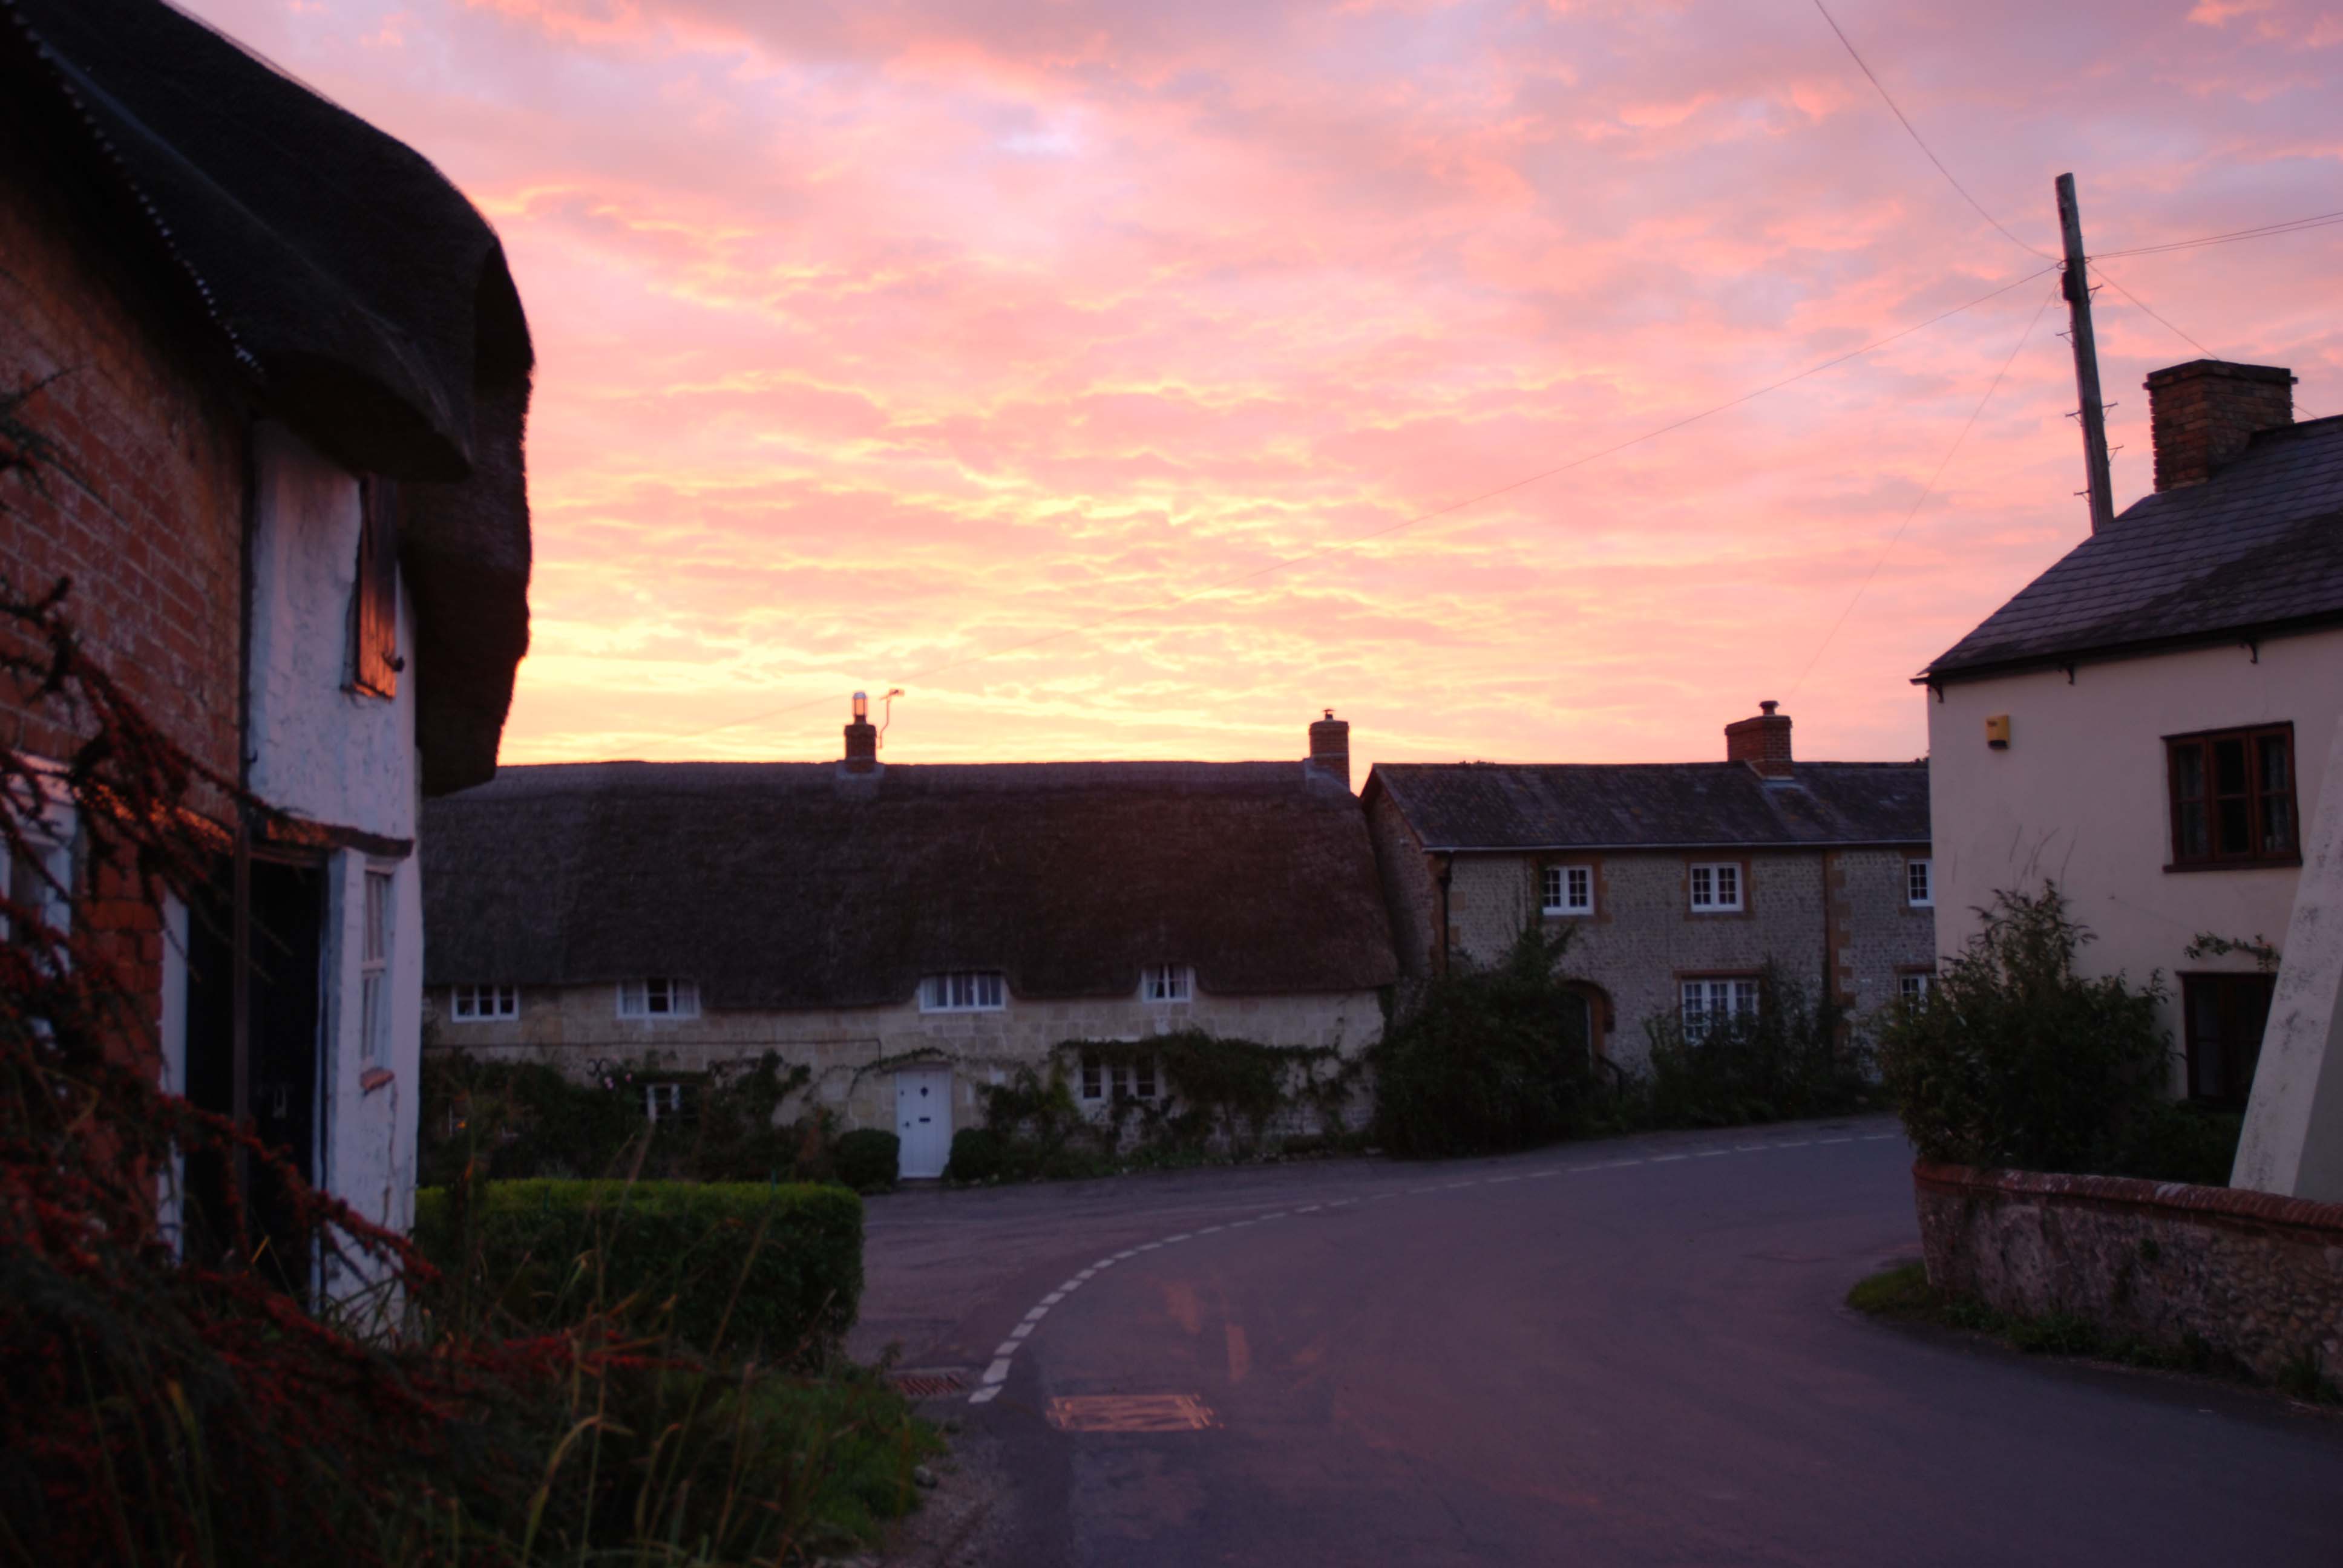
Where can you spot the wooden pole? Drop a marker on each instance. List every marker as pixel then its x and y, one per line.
pixel 2076 285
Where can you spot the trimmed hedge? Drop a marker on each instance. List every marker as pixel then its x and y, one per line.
pixel 868 1159
pixel 785 1260
pixel 977 1154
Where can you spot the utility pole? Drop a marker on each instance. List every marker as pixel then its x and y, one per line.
pixel 2076 285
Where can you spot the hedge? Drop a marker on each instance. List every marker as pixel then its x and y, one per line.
pixel 868 1159
pixel 785 1260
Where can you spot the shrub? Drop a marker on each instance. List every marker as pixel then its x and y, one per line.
pixel 2176 1141
pixel 868 1159
pixel 977 1154
pixel 769 1271
pixel 2014 1059
pixel 1488 1059
pixel 1794 1056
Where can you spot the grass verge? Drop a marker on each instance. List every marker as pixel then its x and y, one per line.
pixel 1903 1294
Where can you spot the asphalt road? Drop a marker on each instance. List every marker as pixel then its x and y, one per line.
pixel 1620 1353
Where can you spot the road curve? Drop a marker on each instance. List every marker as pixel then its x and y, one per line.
pixel 1620 1353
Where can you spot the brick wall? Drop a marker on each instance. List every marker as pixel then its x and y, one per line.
pixel 2258 1277
pixel 150 528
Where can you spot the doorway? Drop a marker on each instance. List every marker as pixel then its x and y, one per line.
pixel 923 1122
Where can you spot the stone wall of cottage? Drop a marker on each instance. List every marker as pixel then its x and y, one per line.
pixel 1803 908
pixel 854 1051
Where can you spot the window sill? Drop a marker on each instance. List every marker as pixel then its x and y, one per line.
pixel 2289 863
pixel 1567 914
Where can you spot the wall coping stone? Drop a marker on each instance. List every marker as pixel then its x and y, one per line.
pixel 2268 1208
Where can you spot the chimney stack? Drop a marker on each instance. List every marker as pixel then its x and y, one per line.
pixel 1763 742
pixel 1330 746
pixel 2204 412
pixel 861 739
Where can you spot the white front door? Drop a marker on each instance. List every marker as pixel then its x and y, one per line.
pixel 923 1122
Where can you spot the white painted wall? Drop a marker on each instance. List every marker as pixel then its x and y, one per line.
pixel 2080 796
pixel 332 756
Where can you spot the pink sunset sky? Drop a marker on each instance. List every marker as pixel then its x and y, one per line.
pixel 876 337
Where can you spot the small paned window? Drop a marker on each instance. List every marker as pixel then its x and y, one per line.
pixel 663 1101
pixel 1569 890
pixel 2232 796
pixel 966 991
pixel 658 998
pixel 2223 1017
pixel 476 1003
pixel 375 662
pixel 1093 1077
pixel 1710 1003
pixel 1920 884
pixel 1717 886
pixel 1914 988
pixel 1167 982
pixel 380 917
pixel 1133 1080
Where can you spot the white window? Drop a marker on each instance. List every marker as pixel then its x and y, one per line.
pixel 1709 1002
pixel 1717 886
pixel 474 1003
pixel 1920 884
pixel 1167 982
pixel 663 1101
pixel 1135 1079
pixel 1915 989
pixel 1569 890
pixel 379 918
pixel 658 998
pixel 39 876
pixel 966 991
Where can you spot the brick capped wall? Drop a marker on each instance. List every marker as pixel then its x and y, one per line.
pixel 2258 1277
pixel 149 529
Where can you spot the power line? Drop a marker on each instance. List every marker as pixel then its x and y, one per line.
pixel 1230 581
pixel 1886 97
pixel 1926 490
pixel 2263 231
pixel 2104 277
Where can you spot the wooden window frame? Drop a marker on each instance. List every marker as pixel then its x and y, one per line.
pixel 1740 904
pixel 2255 796
pixel 962 990
pixel 1100 1081
pixel 374 661
pixel 682 998
pixel 1166 985
pixel 465 1003
pixel 1921 869
pixel 1555 889
pixel 1911 984
pixel 1732 981
pixel 2236 1082
pixel 378 939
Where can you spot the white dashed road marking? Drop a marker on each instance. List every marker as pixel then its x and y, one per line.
pixel 997 1374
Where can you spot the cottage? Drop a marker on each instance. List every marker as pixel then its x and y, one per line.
pixel 284 363
pixel 2148 722
pixel 913 933
pixel 1680 881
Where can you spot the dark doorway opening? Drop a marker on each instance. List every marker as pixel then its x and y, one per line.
pixel 285 999
pixel 2223 1017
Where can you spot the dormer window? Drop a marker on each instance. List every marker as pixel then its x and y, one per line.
pixel 1167 982
pixel 658 998
pixel 964 990
pixel 375 662
pixel 479 1003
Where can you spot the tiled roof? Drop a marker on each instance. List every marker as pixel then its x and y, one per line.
pixel 785 885
pixel 1656 804
pixel 2259 546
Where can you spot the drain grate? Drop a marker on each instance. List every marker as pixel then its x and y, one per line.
pixel 1130 1412
pixel 933 1384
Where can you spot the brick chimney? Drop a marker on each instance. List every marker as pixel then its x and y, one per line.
pixel 861 739
pixel 1763 742
pixel 2204 413
pixel 1330 746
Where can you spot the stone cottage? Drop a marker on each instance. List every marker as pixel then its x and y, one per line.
pixel 1680 881
pixel 913 933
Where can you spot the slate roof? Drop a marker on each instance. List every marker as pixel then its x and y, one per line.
pixel 2257 548
pixel 783 885
pixel 353 291
pixel 1655 805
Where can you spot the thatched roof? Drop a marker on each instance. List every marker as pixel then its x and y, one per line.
pixel 359 296
pixel 791 885
pixel 1655 805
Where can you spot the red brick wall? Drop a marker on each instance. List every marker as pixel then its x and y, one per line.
pixel 145 415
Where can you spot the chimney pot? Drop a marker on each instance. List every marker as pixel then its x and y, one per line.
pixel 1330 746
pixel 2205 413
pixel 1763 742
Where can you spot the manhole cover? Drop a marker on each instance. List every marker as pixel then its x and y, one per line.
pixel 930 1384
pixel 1130 1412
